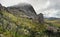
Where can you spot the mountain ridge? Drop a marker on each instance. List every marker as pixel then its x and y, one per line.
pixel 24 10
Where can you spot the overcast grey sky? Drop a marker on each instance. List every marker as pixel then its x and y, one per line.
pixel 50 8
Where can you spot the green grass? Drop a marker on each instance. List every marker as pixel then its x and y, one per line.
pixel 12 26
pixel 20 27
pixel 55 23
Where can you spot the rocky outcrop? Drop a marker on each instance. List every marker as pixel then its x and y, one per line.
pixel 0 7
pixel 24 10
pixel 41 18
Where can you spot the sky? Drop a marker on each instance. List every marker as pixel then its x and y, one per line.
pixel 50 8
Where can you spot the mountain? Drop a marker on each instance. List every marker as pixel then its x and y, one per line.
pixel 23 10
pixel 12 24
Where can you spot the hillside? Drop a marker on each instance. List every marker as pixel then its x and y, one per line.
pixel 13 26
pixel 22 21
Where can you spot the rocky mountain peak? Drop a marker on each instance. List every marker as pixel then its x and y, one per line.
pixel 23 9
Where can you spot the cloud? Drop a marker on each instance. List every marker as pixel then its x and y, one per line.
pixel 55 4
pixel 38 4
pixel 52 10
pixel 11 2
pixel 58 14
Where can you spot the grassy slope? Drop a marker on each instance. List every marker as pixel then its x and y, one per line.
pixel 12 26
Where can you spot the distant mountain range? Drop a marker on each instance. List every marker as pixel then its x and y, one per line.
pixel 53 18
